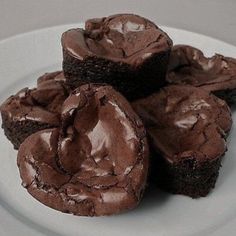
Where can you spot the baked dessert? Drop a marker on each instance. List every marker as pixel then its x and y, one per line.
pixel 96 163
pixel 126 51
pixel 217 74
pixel 31 110
pixel 187 128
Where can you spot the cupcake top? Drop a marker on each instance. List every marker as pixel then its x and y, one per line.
pixel 124 37
pixel 185 121
pixel 189 66
pixel 41 104
pixel 96 163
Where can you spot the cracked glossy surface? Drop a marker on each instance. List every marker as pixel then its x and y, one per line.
pixel 189 66
pixel 184 121
pixel 96 164
pixel 41 104
pixel 124 37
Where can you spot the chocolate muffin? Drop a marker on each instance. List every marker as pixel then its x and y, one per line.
pixel 126 51
pixel 217 74
pixel 96 163
pixel 187 128
pixel 31 110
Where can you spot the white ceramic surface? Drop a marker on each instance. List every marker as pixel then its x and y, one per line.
pixel 22 59
pixel 215 18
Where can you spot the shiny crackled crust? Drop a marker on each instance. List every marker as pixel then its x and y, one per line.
pixel 31 110
pixel 189 66
pixel 80 170
pixel 135 76
pixel 187 127
pixel 125 38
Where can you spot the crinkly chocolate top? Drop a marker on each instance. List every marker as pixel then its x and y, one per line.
pixel 189 66
pixel 185 121
pixel 96 164
pixel 41 104
pixel 123 37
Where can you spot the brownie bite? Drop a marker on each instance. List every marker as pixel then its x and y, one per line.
pixel 126 51
pixel 217 74
pixel 96 163
pixel 31 110
pixel 187 128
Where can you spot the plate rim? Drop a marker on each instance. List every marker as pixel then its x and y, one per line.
pixel 74 25
pixel 208 231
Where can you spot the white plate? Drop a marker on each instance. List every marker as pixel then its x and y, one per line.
pixel 22 59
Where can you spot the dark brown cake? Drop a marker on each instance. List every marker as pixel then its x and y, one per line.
pixel 96 164
pixel 31 110
pixel 217 74
pixel 126 51
pixel 187 127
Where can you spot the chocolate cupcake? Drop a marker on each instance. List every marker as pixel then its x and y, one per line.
pixel 217 74
pixel 126 51
pixel 96 163
pixel 31 110
pixel 187 127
